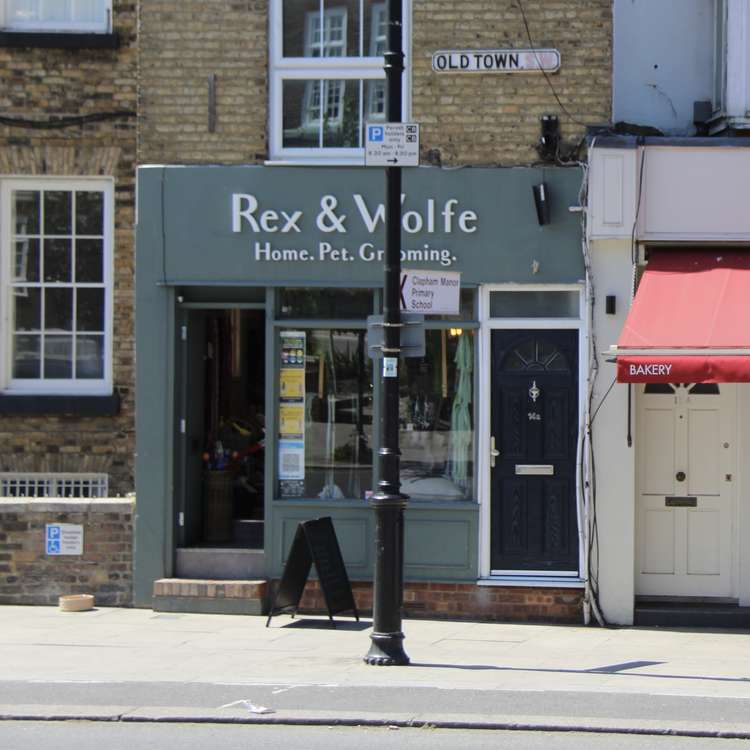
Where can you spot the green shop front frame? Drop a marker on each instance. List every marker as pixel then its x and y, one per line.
pixel 198 250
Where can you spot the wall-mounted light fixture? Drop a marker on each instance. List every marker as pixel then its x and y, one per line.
pixel 549 141
pixel 541 201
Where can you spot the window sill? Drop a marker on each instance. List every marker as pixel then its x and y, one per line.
pixel 71 405
pixel 59 40
pixel 358 161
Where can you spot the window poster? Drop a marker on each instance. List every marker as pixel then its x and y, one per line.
pixel 292 414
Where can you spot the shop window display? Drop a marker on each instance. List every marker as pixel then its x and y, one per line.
pixel 325 414
pixel 436 418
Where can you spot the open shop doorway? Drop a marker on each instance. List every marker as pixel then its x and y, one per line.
pixel 222 483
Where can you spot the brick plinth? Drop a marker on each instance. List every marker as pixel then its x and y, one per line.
pixel 466 601
pixel 29 576
pixel 210 589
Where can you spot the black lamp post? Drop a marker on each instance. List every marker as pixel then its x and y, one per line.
pixel 387 647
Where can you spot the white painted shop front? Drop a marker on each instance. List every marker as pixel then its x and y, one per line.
pixel 672 493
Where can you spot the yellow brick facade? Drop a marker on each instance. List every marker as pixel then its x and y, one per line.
pixel 467 119
pixel 42 85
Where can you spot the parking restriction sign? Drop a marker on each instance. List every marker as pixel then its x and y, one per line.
pixel 392 144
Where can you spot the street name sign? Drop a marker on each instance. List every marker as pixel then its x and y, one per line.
pixel 496 61
pixel 431 292
pixel 392 144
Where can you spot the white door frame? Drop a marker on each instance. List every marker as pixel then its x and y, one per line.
pixel 484 484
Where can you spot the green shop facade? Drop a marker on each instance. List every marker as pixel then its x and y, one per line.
pixel 258 401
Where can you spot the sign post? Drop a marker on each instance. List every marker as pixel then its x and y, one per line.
pixel 387 646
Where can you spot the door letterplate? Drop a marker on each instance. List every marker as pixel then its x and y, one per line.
pixel 681 502
pixel 535 469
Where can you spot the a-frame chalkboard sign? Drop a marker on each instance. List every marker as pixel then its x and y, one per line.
pixel 314 542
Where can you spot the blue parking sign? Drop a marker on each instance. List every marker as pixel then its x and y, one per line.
pixel 376 133
pixel 53 540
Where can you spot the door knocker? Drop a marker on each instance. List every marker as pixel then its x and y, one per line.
pixel 534 392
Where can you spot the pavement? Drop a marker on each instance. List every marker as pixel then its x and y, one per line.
pixel 140 666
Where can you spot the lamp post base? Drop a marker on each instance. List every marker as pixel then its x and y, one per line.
pixel 387 650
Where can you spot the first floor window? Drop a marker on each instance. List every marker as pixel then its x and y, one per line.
pixel 57 15
pixel 327 77
pixel 57 287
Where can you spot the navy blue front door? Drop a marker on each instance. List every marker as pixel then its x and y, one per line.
pixel 535 430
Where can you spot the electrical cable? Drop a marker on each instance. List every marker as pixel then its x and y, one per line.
pixel 65 122
pixel 544 72
pixel 587 484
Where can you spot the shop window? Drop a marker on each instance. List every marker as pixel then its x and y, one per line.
pixel 325 414
pixel 92 16
pixel 436 418
pixel 325 304
pixel 327 78
pixel 57 295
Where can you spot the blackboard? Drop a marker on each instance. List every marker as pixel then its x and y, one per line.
pixel 314 543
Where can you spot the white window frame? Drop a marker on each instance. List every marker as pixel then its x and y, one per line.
pixel 345 68
pixel 53 386
pixel 8 23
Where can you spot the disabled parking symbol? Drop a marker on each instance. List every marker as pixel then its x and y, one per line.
pixel 53 540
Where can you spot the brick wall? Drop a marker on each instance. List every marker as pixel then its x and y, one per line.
pixel 493 118
pixel 182 42
pixel 29 576
pixel 457 601
pixel 481 118
pixel 48 84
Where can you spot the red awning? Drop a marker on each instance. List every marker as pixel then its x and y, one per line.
pixel 690 319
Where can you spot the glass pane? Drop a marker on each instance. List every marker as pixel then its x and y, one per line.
pixel 295 13
pixel 89 11
pixel 534 304
pixel 301 117
pixel 28 304
pixel 335 33
pixel 58 309
pixel 26 356
pixel 26 260
pixel 57 265
pixel 341 120
pixel 26 211
pixel 57 212
pixel 89 212
pixel 89 261
pixel 24 10
pixel 54 10
pixel 341 36
pixel 336 407
pixel 90 310
pixel 436 418
pixel 375 28
pixel 90 357
pixel 534 355
pixel 58 357
pixel 325 304
pixel 375 101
